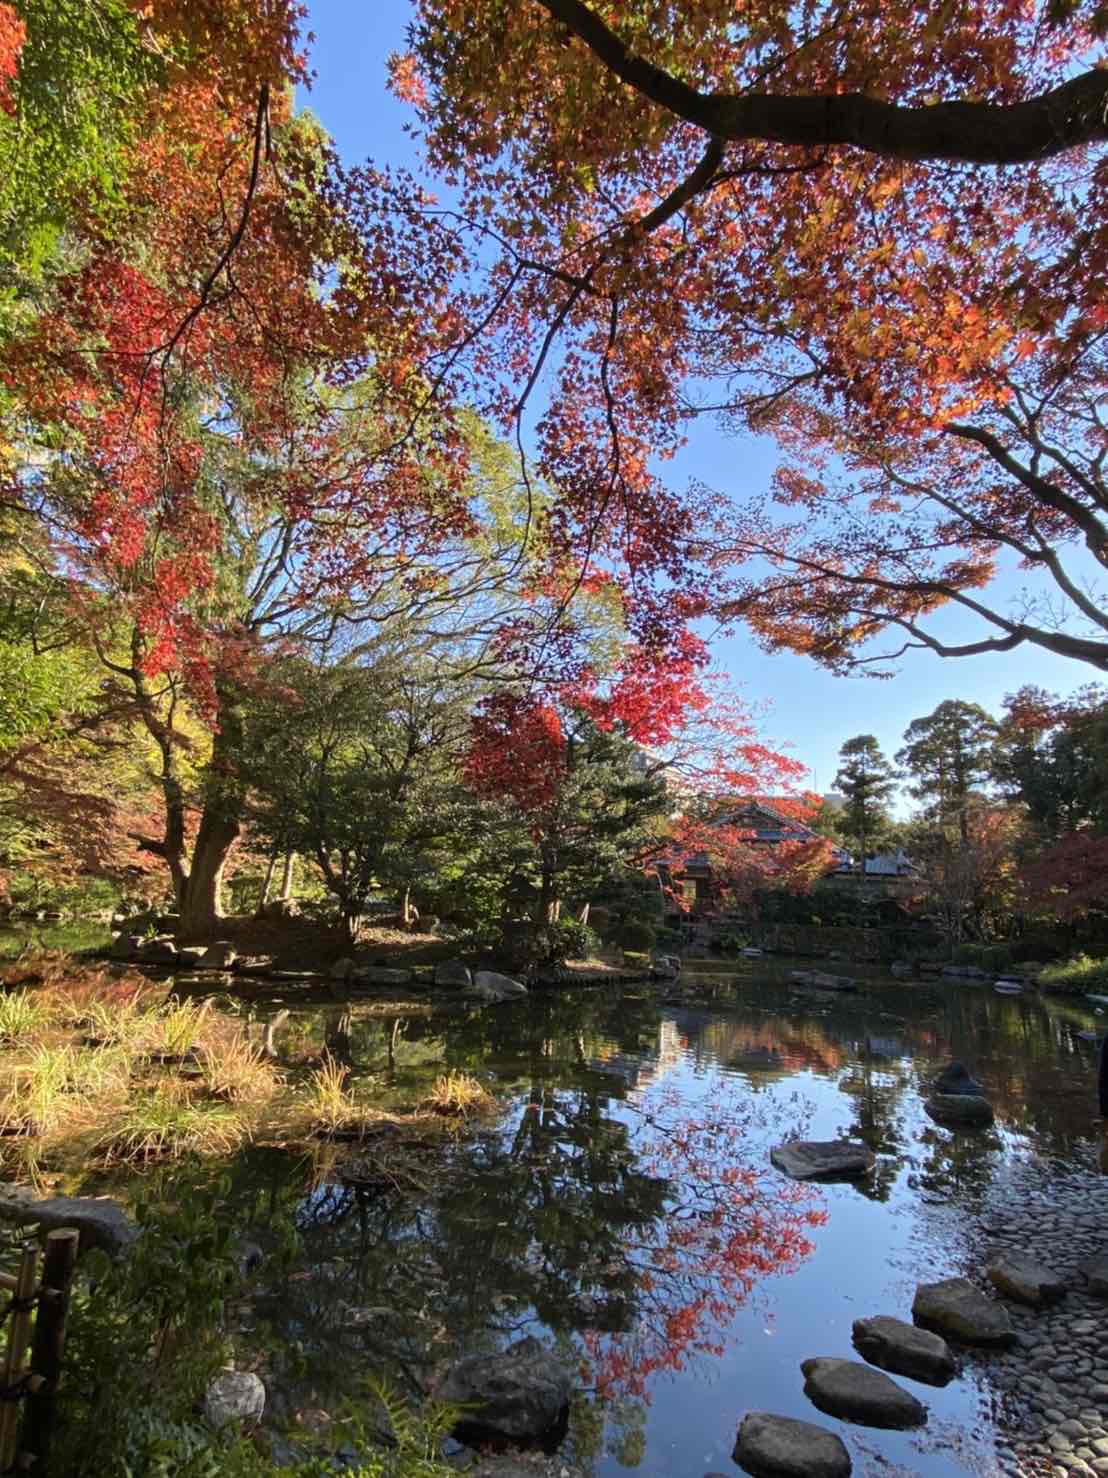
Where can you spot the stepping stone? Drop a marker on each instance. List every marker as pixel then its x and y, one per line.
pixel 781 1447
pixel 1018 1276
pixel 956 1308
pixel 901 1347
pixel 815 1159
pixel 954 1078
pixel 967 1110
pixel 1096 1273
pixel 854 1391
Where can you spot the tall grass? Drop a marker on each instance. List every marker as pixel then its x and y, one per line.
pixel 180 1025
pixel 21 1014
pixel 167 1123
pixel 331 1104
pixel 236 1070
pixel 457 1095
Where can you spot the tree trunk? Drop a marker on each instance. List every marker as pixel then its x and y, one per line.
pixel 286 877
pixel 270 870
pixel 201 903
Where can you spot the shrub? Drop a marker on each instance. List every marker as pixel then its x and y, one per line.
pixel 637 935
pixel 569 939
pixel 985 956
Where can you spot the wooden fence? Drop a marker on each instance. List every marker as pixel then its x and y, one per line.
pixel 34 1317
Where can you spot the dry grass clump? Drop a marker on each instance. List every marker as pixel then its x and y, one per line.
pixel 333 1108
pixel 457 1095
pixel 167 1123
pixel 179 1026
pixel 236 1070
pixel 21 1013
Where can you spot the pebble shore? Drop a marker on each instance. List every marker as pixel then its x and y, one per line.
pixel 1052 1415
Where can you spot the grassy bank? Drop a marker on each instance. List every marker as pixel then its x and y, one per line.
pixel 100 1069
pixel 1083 973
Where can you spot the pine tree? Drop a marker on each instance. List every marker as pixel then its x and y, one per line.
pixel 867 780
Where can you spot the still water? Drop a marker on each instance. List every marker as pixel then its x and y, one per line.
pixel 623 1208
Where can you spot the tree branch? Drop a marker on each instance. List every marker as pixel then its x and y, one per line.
pixel 1067 117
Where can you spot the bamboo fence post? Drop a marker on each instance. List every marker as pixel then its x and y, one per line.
pixel 49 1343
pixel 19 1334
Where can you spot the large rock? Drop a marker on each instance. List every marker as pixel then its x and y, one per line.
pixel 1017 1275
pixel 381 975
pixel 856 1392
pixel 781 1447
pixel 489 986
pixel 219 955
pixel 815 1159
pixel 518 1394
pixel 157 952
pixel 955 1078
pixel 960 1110
pixel 956 1308
pixel 101 1222
pixel 454 974
pixel 126 947
pixel 234 1398
pixel 901 1347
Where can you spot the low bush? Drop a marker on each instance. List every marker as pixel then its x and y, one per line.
pixel 1082 973
pixel 569 939
pixel 985 956
pixel 637 935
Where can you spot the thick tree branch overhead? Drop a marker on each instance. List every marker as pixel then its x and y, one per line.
pixel 1067 117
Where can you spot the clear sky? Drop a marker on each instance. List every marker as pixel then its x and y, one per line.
pixel 810 710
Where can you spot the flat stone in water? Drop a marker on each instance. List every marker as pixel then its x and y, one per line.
pixel 956 1308
pixel 814 1159
pixel 781 1447
pixel 967 1110
pixel 1019 1276
pixel 901 1347
pixel 849 1389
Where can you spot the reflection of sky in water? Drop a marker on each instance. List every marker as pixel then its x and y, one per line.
pixel 748 1073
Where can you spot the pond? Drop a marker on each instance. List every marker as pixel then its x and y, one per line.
pixel 622 1205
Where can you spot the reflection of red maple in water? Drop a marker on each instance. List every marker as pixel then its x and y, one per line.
pixel 730 1227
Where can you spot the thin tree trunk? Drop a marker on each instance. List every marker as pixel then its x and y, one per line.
pixel 286 877
pixel 270 870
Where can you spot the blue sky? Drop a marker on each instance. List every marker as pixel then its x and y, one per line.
pixel 810 710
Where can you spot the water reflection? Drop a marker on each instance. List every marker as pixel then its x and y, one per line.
pixel 624 1206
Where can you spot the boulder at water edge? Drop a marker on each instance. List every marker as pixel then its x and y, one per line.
pixel 816 1159
pixel 781 1447
pixel 956 1308
pixel 901 1347
pixel 959 1110
pixel 849 1389
pixel 520 1393
pixel 453 973
pixel 1017 1275
pixel 234 1398
pixel 101 1222
pixel 489 986
pixel 954 1078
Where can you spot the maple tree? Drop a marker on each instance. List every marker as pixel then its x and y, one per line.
pixel 795 223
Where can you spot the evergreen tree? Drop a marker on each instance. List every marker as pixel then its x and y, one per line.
pixel 948 753
pixel 866 780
